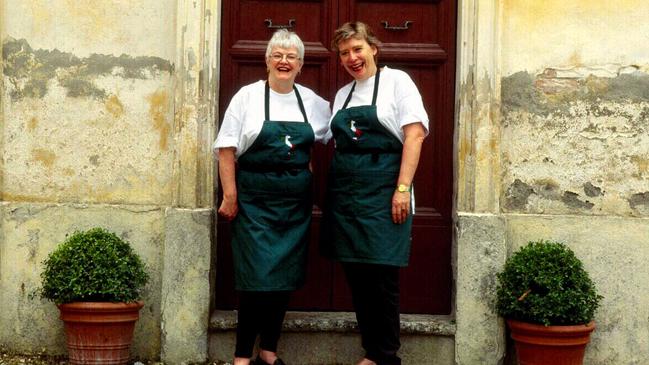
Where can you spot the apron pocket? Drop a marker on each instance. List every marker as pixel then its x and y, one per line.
pixel 288 183
pixel 366 193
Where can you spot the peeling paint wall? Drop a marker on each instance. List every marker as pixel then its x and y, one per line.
pixel 94 129
pixel 574 149
pixel 575 103
pixel 93 125
pixel 576 143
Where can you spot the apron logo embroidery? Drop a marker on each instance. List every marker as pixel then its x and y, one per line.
pixel 289 144
pixel 357 132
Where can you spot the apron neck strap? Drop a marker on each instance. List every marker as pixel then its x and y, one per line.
pixel 301 104
pixel 349 96
pixel 267 102
pixel 376 85
pixel 374 95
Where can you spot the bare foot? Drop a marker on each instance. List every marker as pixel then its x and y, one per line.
pixel 269 357
pixel 366 362
pixel 241 361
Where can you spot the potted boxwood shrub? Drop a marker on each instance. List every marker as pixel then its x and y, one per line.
pixel 96 280
pixel 549 302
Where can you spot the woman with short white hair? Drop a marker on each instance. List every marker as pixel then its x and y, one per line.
pixel 264 146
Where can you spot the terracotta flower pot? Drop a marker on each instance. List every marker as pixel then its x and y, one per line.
pixel 556 345
pixel 98 332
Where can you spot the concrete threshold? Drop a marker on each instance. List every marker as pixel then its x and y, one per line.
pixel 412 324
pixel 332 338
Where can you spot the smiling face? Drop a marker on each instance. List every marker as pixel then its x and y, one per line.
pixel 283 65
pixel 357 57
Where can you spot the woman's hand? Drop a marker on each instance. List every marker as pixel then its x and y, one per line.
pixel 414 135
pixel 229 208
pixel 400 206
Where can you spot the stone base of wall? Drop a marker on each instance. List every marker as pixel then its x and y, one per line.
pixel 186 285
pixel 30 231
pixel 615 252
pixel 175 244
pixel 481 251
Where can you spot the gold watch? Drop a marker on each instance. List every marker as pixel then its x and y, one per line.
pixel 403 188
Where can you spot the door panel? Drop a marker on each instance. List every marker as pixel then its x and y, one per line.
pixel 425 49
pixel 255 17
pixel 398 21
pixel 245 34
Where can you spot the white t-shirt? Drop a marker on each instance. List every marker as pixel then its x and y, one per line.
pixel 244 117
pixel 398 102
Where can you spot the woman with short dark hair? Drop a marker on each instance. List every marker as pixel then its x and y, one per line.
pixel 379 125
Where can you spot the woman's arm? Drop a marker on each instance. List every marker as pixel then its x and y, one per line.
pixel 414 137
pixel 229 207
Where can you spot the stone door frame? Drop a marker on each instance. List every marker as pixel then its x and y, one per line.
pixel 479 236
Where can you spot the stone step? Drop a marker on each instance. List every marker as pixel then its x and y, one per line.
pixel 332 338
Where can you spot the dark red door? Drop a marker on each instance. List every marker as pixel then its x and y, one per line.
pixel 419 38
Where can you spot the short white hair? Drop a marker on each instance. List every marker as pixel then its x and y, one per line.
pixel 285 39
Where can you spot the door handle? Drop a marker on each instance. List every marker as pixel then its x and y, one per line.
pixel 269 24
pixel 405 25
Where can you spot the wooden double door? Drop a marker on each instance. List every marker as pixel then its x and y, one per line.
pixel 418 37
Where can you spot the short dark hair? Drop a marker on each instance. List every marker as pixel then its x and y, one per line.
pixel 356 30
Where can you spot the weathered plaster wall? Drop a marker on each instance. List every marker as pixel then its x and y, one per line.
pixel 576 144
pixel 575 104
pixel 107 118
pixel 574 149
pixel 82 126
pixel 136 28
pixel 541 34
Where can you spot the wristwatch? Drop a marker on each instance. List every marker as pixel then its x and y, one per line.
pixel 403 188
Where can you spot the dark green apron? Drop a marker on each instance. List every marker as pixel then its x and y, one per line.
pixel 358 223
pixel 270 232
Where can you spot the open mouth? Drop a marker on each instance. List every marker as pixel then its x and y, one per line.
pixel 357 67
pixel 283 69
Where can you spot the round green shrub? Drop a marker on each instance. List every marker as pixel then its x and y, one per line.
pixel 545 283
pixel 93 266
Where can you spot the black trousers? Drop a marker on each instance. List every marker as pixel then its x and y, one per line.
pixel 260 313
pixel 375 294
